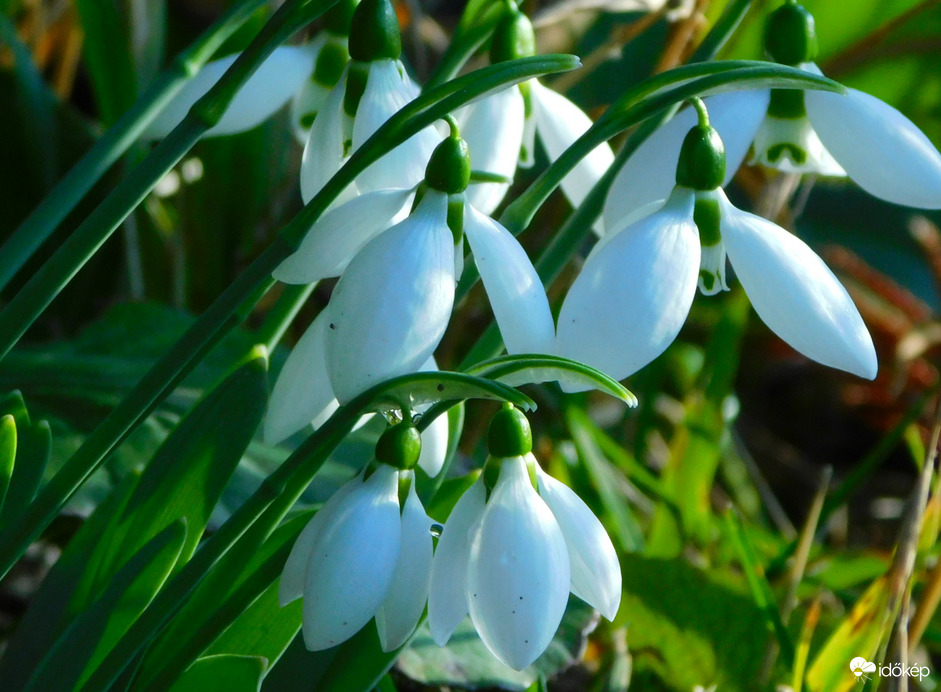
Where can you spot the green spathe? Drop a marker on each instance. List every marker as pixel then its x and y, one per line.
pixel 399 446
pixel 702 159
pixel 509 434
pixel 790 37
pixel 374 34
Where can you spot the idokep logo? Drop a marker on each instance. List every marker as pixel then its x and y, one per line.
pixel 860 667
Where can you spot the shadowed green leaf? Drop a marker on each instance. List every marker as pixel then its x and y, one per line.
pixel 230 673
pixel 7 454
pixel 95 631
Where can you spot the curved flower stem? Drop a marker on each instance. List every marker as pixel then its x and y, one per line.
pixel 647 99
pixel 282 313
pixel 237 301
pixel 477 24
pixel 40 224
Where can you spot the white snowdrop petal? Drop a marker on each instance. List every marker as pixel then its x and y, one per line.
pixel 387 90
pixel 518 576
pixel 795 293
pixel 516 294
pixel 272 84
pixel 324 152
pixel 650 173
pixel 737 115
pixel 399 614
pixel 332 242
pixel 880 149
pixel 352 562
pixel 493 129
pixel 632 296
pixel 291 585
pixel 302 392
pixel 434 446
pixel 596 573
pixel 391 306
pixel 559 122
pixel 447 595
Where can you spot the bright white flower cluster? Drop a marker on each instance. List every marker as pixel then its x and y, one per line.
pixel 519 542
pixel 508 556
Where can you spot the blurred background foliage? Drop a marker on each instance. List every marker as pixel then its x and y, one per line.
pixel 758 500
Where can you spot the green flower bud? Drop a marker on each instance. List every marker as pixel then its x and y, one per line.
pixel 399 446
pixel 449 167
pixel 337 19
pixel 702 159
pixel 509 434
pixel 513 38
pixel 790 37
pixel 374 34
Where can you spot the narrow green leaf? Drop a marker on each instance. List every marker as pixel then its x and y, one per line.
pixel 187 475
pixel 627 531
pixel 226 614
pixel 229 673
pixel 428 387
pixel 56 604
pixel 40 224
pixel 85 643
pixel 14 405
pixel 516 370
pixel 759 587
pixel 108 57
pixel 7 453
pixel 33 447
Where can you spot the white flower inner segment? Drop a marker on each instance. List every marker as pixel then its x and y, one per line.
pixel 791 145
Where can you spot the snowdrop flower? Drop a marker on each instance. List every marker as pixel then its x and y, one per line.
pixel 511 559
pixel 797 131
pixel 501 128
pixel 364 555
pixel 372 89
pixel 393 301
pixel 302 74
pixel 636 288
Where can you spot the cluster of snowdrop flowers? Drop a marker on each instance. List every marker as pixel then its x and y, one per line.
pixel 514 546
pixel 302 74
pixel 366 554
pixel 636 288
pixel 393 302
pixel 798 131
pixel 501 128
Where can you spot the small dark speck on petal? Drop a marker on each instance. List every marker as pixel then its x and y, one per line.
pixel 332 326
pixel 440 387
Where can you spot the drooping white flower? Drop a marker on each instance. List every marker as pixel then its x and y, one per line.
pixel 361 556
pixel 336 134
pixel 393 302
pixel 330 57
pixel 636 287
pixel 797 131
pixel 277 79
pixel 501 128
pixel 511 560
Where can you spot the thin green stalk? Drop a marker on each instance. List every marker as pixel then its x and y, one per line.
pixel 232 306
pixel 70 190
pixel 282 313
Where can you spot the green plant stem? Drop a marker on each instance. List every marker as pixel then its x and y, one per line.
pixel 70 190
pixel 282 313
pixel 237 301
pixel 52 277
